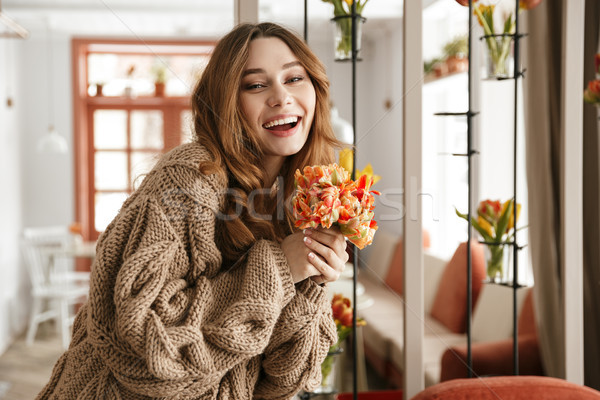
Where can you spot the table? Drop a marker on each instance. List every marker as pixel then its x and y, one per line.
pixel 344 285
pixel 75 249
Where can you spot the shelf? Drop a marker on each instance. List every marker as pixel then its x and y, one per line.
pixel 137 101
pixel 508 284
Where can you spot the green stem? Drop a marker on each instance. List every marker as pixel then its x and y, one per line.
pixel 495 262
pixel 345 44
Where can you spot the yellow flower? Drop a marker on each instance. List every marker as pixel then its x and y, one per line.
pixel 511 220
pixel 368 171
pixel 346 159
pixel 346 163
pixel 349 2
pixel 485 225
pixel 485 17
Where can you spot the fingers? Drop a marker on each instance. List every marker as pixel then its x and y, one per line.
pixel 328 253
pixel 332 238
pixel 327 273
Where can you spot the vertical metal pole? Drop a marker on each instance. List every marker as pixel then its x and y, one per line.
pixel 355 258
pixel 306 21
pixel 469 210
pixel 516 76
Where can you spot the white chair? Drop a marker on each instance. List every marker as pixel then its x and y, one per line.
pixel 55 287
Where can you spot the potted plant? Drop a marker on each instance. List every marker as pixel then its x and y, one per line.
pixel 456 54
pixel 160 79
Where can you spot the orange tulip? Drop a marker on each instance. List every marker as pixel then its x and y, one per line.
pixel 528 4
pixel 592 93
pixel 325 195
pixel 465 2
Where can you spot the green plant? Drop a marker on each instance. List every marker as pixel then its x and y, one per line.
pixel 428 66
pixel 457 47
pixel 159 71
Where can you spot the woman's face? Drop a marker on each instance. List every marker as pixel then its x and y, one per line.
pixel 277 98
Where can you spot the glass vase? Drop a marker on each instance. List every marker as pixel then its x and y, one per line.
pixel 499 60
pixel 498 263
pixel 328 372
pixel 342 36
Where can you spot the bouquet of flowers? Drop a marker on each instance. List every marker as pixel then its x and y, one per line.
pixel 498 23
pixel 343 316
pixel 592 93
pixel 495 223
pixel 325 195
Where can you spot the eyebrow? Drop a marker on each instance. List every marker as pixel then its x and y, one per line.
pixel 262 71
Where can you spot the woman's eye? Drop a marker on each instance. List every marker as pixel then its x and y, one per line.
pixel 254 86
pixel 296 79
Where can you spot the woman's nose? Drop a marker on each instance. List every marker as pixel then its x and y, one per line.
pixel 280 96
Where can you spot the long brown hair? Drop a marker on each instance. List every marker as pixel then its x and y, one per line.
pixel 221 127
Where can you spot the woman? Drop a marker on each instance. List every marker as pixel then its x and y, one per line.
pixel 200 288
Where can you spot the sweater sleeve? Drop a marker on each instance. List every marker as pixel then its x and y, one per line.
pixel 162 317
pixel 300 342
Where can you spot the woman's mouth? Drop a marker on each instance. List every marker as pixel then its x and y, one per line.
pixel 282 125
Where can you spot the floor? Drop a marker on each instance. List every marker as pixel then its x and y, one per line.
pixel 24 370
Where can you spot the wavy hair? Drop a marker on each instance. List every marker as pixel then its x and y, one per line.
pixel 221 127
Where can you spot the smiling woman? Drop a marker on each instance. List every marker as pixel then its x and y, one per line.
pixel 202 288
pixel 278 98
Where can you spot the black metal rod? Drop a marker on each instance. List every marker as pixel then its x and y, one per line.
pixel 515 246
pixel 456 114
pixel 469 195
pixel 306 21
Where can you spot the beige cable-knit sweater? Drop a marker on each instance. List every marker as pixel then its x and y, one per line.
pixel 163 321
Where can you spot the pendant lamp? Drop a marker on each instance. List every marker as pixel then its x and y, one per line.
pixel 51 142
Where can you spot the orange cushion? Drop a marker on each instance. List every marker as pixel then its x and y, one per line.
pixel 527 317
pixel 508 388
pixel 450 304
pixel 394 278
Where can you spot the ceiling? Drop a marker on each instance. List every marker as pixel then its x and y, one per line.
pixel 178 18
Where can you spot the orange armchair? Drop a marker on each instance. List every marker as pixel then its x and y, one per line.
pixel 496 358
pixel 508 388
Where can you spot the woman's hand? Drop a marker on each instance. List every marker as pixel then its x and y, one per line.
pixel 319 254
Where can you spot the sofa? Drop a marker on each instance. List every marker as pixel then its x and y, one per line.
pixel 508 388
pixel 380 272
pixel 494 356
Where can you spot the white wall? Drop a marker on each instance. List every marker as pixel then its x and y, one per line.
pixel 48 179
pixel 37 189
pixel 13 280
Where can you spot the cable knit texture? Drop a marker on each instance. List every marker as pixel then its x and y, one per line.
pixel 164 322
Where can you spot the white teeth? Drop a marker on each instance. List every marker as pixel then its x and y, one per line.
pixel 288 120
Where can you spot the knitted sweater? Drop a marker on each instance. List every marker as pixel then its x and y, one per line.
pixel 163 321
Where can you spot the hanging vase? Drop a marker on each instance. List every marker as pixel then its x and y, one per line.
pixel 498 262
pixel 499 61
pixel 342 36
pixel 328 372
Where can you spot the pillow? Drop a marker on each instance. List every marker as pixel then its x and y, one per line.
pixel 450 304
pixel 527 324
pixel 394 278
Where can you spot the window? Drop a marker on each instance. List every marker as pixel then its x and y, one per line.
pixel 131 105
